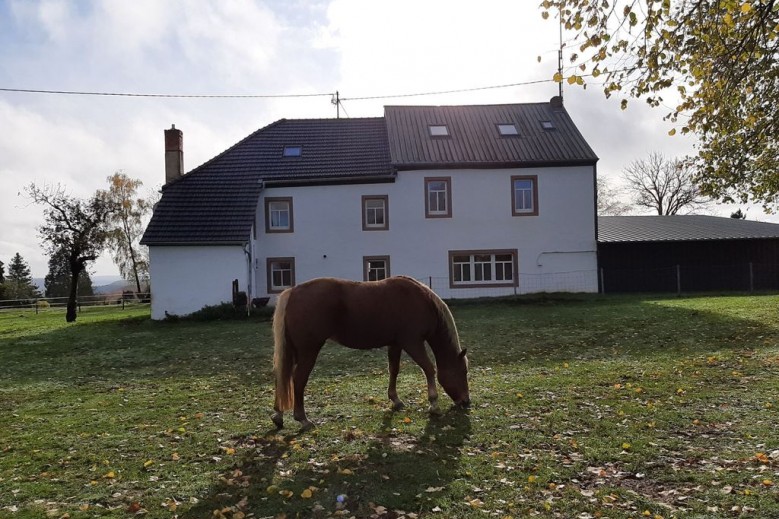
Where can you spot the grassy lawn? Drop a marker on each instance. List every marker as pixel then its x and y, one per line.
pixel 583 407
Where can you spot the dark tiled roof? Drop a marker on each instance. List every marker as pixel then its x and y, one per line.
pixel 216 202
pixel 616 229
pixel 474 140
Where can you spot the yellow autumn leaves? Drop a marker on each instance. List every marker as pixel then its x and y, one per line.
pixel 572 79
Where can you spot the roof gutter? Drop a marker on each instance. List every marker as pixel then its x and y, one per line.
pixel 492 165
pixel 323 181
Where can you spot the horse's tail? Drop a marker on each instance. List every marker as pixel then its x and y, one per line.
pixel 282 356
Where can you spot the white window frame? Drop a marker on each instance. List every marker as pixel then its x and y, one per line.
pixel 524 201
pixel 369 214
pixel 483 268
pixel 444 196
pixel 368 269
pixel 270 211
pixel 284 267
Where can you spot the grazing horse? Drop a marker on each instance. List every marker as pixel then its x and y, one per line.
pixel 398 312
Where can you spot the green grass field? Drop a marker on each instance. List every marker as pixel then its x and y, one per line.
pixel 583 407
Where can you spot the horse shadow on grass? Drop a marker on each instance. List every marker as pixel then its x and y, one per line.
pixel 380 473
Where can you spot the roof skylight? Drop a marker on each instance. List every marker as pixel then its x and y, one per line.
pixel 438 130
pixel 293 151
pixel 547 125
pixel 508 129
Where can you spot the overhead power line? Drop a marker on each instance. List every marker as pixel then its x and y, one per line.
pixel 267 96
pixel 181 96
pixel 439 92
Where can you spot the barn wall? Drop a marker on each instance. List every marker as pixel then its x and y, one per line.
pixel 702 265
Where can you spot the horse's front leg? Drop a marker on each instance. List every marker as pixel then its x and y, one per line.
pixel 393 355
pixel 418 353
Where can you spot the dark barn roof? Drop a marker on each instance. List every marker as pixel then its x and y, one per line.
pixel 633 229
pixel 216 202
pixel 474 140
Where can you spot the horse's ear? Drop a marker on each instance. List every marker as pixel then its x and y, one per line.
pixel 462 353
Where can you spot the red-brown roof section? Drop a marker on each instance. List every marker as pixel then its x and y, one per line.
pixel 474 139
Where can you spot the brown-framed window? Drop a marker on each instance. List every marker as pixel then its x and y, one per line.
pixel 524 195
pixel 375 212
pixel 483 268
pixel 281 274
pixel 438 197
pixel 278 214
pixel 375 268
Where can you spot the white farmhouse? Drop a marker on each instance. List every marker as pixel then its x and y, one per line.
pixel 474 200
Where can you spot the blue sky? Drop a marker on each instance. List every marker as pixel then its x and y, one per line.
pixel 357 47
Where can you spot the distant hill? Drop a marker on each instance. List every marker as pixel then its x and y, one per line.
pixel 100 284
pixel 111 288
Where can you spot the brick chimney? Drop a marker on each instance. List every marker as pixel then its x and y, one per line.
pixel 174 154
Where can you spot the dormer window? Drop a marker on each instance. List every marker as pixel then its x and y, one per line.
pixel 508 130
pixel 438 130
pixel 547 125
pixel 293 151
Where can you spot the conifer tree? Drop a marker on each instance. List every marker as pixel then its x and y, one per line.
pixel 2 280
pixel 19 283
pixel 57 281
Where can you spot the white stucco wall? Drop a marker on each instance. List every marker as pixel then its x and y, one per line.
pixel 185 279
pixel 556 249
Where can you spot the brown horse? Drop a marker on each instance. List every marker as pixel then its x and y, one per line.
pixel 398 312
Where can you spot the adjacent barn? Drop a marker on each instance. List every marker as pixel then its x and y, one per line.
pixel 686 254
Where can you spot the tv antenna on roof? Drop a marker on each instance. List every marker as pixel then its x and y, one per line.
pixel 336 100
pixel 560 57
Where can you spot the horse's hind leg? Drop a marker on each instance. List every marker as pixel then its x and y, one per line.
pixel 300 376
pixel 418 353
pixel 278 417
pixel 393 355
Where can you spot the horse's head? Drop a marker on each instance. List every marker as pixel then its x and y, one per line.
pixel 453 377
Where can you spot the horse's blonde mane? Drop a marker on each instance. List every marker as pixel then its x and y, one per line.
pixel 448 318
pixel 443 312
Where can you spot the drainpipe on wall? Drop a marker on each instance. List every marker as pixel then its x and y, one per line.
pixel 248 251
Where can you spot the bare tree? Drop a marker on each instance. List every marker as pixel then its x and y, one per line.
pixel 663 185
pixel 608 199
pixel 75 228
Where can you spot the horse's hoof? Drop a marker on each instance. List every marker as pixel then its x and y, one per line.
pixel 435 411
pixel 398 406
pixel 306 426
pixel 278 420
